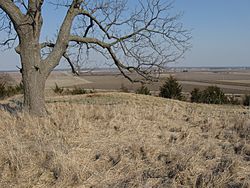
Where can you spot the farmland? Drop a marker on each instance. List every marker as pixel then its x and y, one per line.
pixel 231 81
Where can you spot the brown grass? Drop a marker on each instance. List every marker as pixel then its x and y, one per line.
pixel 7 79
pixel 126 140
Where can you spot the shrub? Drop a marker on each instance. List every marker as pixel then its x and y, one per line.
pixel 171 89
pixel 143 90
pixel 78 91
pixel 75 91
pixel 246 100
pixel 213 95
pixel 196 95
pixel 8 91
pixel 58 89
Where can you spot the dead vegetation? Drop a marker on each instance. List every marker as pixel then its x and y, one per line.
pixel 126 140
pixel 7 78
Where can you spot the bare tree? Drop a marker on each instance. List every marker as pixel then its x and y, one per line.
pixel 140 38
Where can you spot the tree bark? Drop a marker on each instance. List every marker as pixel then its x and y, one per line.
pixel 34 96
pixel 33 74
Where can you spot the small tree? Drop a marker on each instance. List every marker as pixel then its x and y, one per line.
pixel 143 90
pixel 171 89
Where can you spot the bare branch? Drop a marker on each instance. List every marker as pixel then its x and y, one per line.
pixel 142 39
pixel 63 37
pixel 9 42
pixel 65 55
pixel 89 27
pixel 12 11
pixel 143 42
pixel 70 63
pixel 88 40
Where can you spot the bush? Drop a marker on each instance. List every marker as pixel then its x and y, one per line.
pixel 58 89
pixel 171 89
pixel 143 90
pixel 8 91
pixel 196 95
pixel 75 91
pixel 78 91
pixel 246 100
pixel 213 95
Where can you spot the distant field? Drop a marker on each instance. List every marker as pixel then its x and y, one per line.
pixel 230 82
pixel 235 81
pixel 61 78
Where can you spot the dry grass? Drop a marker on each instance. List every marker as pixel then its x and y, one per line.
pixel 126 140
pixel 7 79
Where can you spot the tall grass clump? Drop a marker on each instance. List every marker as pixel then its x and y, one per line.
pixel 57 89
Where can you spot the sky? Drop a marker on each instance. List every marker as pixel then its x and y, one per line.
pixel 220 30
pixel 220 33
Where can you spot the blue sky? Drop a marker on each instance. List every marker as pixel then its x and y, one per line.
pixel 220 30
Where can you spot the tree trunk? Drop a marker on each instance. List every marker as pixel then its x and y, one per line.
pixel 34 99
pixel 34 77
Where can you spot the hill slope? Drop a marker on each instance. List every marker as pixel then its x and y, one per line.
pixel 126 140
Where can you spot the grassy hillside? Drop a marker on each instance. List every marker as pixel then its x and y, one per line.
pixel 126 140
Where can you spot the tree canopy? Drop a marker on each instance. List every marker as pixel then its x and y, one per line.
pixel 139 37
